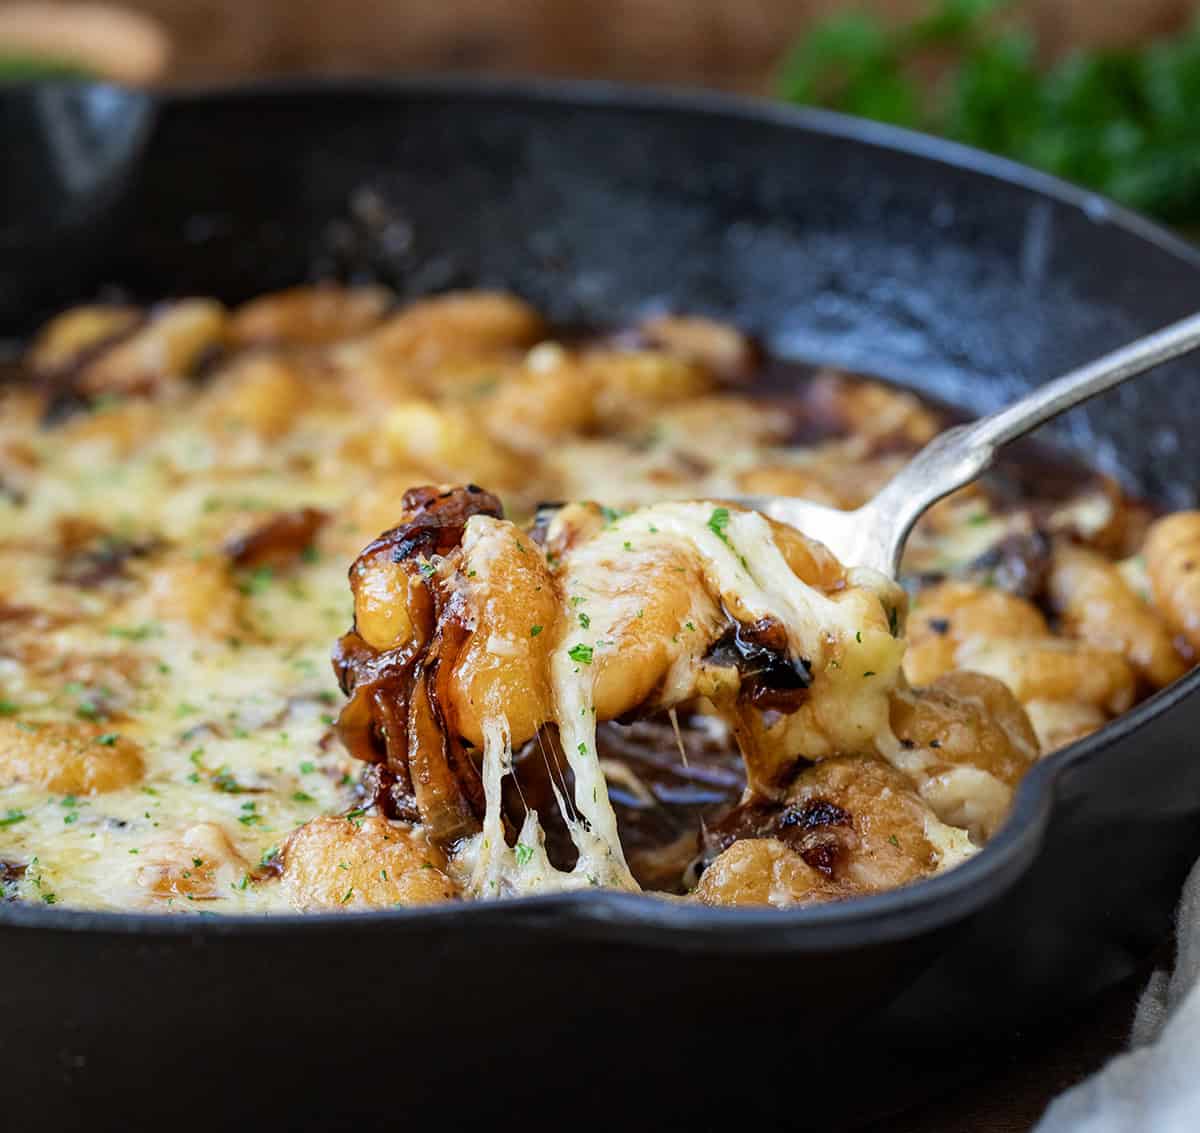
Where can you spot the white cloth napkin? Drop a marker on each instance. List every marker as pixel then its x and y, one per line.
pixel 1155 1087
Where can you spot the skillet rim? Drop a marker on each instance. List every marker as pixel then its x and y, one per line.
pixel 655 922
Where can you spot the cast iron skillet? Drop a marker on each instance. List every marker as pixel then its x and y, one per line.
pixel 834 240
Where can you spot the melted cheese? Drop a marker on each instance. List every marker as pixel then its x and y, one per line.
pixel 221 677
pixel 740 569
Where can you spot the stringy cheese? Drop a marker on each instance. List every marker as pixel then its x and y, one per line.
pixel 855 663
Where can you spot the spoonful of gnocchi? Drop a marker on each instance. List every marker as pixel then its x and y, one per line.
pixel 874 535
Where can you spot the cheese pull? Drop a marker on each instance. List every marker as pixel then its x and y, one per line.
pixel 472 634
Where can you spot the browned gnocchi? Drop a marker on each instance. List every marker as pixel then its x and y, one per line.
pixel 654 690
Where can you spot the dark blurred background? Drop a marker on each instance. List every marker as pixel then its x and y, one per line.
pixel 1102 92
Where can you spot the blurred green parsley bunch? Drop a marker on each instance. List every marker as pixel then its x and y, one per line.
pixel 1126 123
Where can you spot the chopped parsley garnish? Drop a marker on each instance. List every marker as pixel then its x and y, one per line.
pixel 534 631
pixel 427 569
pixel 259 580
pixel 582 748
pixel 858 636
pixel 627 545
pixel 585 621
pixel 13 817
pixel 135 633
pixel 581 653
pixel 691 626
pixel 717 522
pixel 524 853
pixel 301 797
pixel 310 554
pixel 349 894
pixel 9 708
pixel 979 519
pixel 869 673
pixel 224 780
pixel 108 739
pixel 894 840
pixel 307 767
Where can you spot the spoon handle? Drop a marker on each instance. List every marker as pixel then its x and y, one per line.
pixel 957 456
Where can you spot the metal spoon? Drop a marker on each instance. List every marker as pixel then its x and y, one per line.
pixel 874 535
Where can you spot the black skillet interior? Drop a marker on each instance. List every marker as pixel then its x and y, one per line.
pixel 834 241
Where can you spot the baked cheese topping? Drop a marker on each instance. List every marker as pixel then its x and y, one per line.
pixel 676 696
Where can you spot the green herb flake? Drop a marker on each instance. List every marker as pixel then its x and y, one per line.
pixel 13 817
pixel 258 580
pixel 717 522
pixel 534 631
pixel 135 633
pixel 580 653
pixel 301 797
pixel 585 621
pixel 524 853
pixel 108 739
pixel 9 707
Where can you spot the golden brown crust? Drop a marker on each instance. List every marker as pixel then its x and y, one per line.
pixel 763 871
pixel 1096 604
pixel 69 759
pixel 309 316
pixel 359 862
pixel 1172 553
